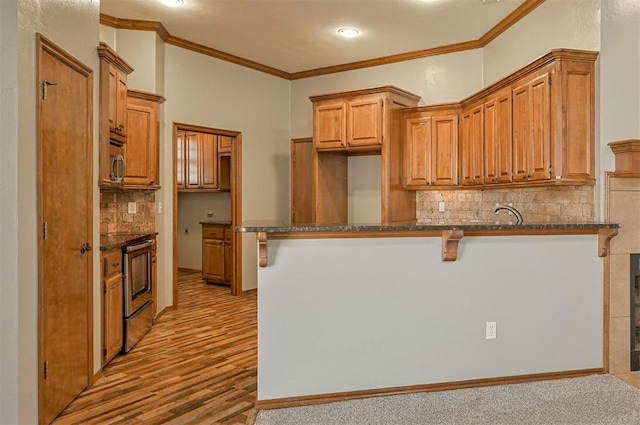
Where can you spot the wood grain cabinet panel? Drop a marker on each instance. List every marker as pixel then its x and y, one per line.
pixel 113 126
pixel 217 253
pixel 359 122
pixel 200 166
pixel 472 146
pixel 349 124
pixel 112 304
pixel 430 148
pixel 141 149
pixel 534 127
pixel 180 159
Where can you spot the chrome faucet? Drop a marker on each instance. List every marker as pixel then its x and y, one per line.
pixel 510 209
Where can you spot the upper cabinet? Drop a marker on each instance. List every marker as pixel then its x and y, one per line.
pixel 352 123
pixel 366 121
pixel 430 146
pixel 533 127
pixel 536 126
pixel 356 120
pixel 200 166
pixel 113 115
pixel 129 145
pixel 141 152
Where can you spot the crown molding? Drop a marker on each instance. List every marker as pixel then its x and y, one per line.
pixel 523 10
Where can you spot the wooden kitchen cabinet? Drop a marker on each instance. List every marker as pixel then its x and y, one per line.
pixel 472 146
pixel 141 149
pixel 201 150
pixel 216 252
pixel 224 144
pixel 430 147
pixel 533 127
pixel 498 151
pixel 180 158
pixel 366 121
pixel 352 123
pixel 113 126
pixel 200 166
pixel 301 180
pixel 112 304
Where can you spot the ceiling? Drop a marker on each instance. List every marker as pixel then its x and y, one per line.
pixel 296 36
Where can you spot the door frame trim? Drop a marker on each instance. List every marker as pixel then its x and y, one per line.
pixel 45 45
pixel 236 203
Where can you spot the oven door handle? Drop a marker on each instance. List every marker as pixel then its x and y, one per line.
pixel 139 246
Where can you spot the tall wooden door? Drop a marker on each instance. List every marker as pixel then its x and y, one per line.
pixel 301 180
pixel 65 228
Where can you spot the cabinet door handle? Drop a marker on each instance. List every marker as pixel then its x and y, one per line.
pixel 85 247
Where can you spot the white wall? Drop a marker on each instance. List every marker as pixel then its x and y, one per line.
pixel 205 91
pixel 572 24
pixel 388 312
pixel 619 78
pixel 192 209
pixel 72 25
pixel 9 354
pixel 438 79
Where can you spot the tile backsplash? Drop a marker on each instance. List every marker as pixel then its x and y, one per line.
pixel 114 215
pixel 557 204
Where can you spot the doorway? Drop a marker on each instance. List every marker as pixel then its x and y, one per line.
pixel 185 183
pixel 65 221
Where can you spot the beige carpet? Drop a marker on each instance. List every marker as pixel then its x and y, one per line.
pixel 591 400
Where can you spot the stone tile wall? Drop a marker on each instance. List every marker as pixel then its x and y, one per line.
pixel 114 216
pixel 557 204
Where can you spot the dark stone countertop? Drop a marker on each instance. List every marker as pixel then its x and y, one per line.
pixel 118 240
pixel 280 227
pixel 225 223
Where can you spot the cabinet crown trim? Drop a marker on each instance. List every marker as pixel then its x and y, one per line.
pixel 111 56
pixel 367 91
pixel 553 55
pixel 143 95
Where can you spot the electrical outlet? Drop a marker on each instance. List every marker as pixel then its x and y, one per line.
pixel 159 207
pixel 210 214
pixel 491 330
pixel 132 207
pixel 441 206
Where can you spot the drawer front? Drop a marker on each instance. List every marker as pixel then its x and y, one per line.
pixel 111 263
pixel 212 232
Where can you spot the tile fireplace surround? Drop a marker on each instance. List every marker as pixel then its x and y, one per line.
pixel 622 191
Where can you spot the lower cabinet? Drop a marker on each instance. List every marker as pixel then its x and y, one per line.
pixel 112 304
pixel 216 253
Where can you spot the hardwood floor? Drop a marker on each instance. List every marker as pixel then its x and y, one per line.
pixel 197 365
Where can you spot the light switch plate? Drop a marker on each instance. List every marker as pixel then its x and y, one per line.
pixel 132 207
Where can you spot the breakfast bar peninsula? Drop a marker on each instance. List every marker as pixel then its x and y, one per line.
pixel 358 310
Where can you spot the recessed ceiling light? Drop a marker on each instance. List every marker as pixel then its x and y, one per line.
pixel 173 3
pixel 348 32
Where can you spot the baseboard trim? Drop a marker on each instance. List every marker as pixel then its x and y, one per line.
pixel 95 377
pixel 184 269
pixel 279 403
pixel 163 311
pixel 250 292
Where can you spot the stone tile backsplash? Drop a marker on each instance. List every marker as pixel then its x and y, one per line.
pixel 114 215
pixel 557 204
